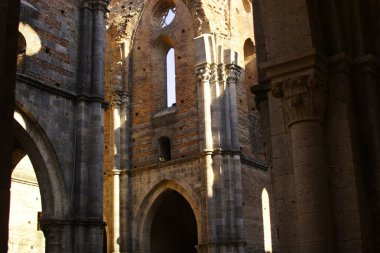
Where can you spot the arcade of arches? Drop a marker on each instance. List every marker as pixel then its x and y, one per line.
pixel 203 126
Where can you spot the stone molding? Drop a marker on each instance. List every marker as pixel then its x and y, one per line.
pixel 303 98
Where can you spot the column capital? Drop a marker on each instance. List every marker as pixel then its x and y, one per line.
pixel 115 172
pixel 303 97
pixel 203 73
pixel 221 72
pixel 119 97
pixel 213 72
pixel 233 73
pixel 101 5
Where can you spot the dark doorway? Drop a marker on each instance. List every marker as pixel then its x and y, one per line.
pixel 174 227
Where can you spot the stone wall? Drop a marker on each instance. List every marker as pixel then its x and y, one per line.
pixel 51 33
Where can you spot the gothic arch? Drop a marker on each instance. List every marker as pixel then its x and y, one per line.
pixel 36 144
pixel 147 208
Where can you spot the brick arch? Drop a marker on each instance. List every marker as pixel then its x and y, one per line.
pixel 35 143
pixel 148 206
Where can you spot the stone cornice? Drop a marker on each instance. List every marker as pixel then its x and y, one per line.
pixel 295 66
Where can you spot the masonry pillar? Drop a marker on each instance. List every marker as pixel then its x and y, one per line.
pixel 88 225
pixel 303 100
pixel 9 16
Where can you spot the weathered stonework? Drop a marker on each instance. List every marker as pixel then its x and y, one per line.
pixel 290 168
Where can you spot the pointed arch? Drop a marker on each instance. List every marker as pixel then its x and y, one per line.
pixel 34 142
pixel 148 206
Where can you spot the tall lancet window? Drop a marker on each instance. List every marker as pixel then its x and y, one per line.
pixel 170 78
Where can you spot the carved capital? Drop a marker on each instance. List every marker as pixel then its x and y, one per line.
pixel 303 98
pixel 203 74
pixel 101 5
pixel 214 72
pixel 233 73
pixel 115 172
pixel 119 98
pixel 221 72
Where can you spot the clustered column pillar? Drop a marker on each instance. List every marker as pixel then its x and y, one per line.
pixel 303 100
pixel 87 205
pixel 218 75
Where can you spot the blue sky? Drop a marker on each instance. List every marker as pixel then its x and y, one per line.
pixel 170 74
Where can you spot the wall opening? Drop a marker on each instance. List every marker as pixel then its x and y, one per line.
pixel 21 53
pixel 266 221
pixel 164 149
pixel 249 50
pixel 25 234
pixel 168 17
pixel 170 78
pixel 164 13
pixel 174 227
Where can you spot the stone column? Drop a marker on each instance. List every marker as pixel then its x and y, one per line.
pixel 203 74
pixel 233 74
pixel 303 100
pixel 118 99
pixel 116 210
pixel 88 225
pixel 9 16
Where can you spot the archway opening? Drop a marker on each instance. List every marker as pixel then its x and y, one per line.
pixel 174 227
pixel 25 234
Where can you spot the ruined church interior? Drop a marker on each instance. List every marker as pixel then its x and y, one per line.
pixel 190 126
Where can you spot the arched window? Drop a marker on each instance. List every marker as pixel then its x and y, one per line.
pixel 170 78
pixel 164 149
pixel 167 17
pixel 266 221
pixel 249 49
